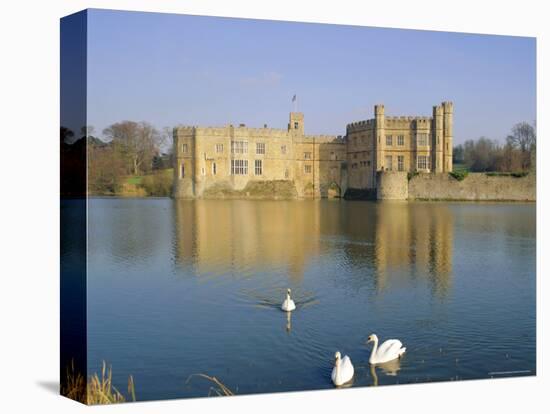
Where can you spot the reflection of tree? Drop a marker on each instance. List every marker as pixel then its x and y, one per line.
pixel 129 230
pixel 65 135
pixel 72 164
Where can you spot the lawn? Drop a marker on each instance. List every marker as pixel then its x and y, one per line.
pixel 460 168
pixel 134 179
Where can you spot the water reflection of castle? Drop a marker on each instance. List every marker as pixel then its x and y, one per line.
pixel 417 239
pixel 393 241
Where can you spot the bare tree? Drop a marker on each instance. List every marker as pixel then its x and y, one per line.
pixel 480 155
pixel 523 137
pixel 137 142
pixel 167 139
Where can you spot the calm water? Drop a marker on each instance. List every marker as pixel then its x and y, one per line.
pixel 183 287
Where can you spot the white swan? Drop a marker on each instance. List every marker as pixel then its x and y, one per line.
pixel 288 305
pixel 388 350
pixel 342 371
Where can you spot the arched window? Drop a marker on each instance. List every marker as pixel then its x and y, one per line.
pixel 182 171
pixel 213 168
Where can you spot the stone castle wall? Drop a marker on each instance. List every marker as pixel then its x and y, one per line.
pixel 444 187
pixel 475 187
pixel 392 185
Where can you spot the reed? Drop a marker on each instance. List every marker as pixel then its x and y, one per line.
pixel 98 389
pixel 221 390
pixel 74 386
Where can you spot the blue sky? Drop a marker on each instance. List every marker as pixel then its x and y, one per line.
pixel 172 69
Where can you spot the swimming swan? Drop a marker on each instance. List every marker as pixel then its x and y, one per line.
pixel 388 351
pixel 342 371
pixel 288 305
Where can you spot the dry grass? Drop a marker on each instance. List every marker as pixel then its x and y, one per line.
pixel 98 390
pixel 220 390
pixel 74 386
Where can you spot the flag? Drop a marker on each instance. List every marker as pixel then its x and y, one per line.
pixel 294 98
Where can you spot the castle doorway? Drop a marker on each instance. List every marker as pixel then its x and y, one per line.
pixel 333 191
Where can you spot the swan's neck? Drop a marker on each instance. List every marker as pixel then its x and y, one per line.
pixel 374 349
pixel 337 366
pixel 288 296
pixel 374 376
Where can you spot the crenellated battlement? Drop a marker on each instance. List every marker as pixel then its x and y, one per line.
pixel 361 125
pixel 229 129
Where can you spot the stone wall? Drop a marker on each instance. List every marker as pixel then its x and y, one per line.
pixel 475 187
pixel 391 185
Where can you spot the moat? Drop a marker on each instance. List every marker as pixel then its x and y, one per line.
pixel 180 287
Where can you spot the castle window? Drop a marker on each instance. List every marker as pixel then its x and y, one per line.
pixel 213 168
pixel 368 163
pixel 203 171
pixel 283 149
pixel 307 155
pixel 258 167
pixel 182 171
pixel 400 163
pixel 389 140
pixel 286 173
pixel 421 139
pixel 401 140
pixel 239 147
pixel 307 169
pixel 184 148
pixel 388 163
pixel 239 167
pixel 296 125
pixel 260 147
pixel 422 162
pixel 219 148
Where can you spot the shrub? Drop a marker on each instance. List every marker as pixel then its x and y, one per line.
pixel 517 174
pixel 158 184
pixel 459 175
pixel 411 175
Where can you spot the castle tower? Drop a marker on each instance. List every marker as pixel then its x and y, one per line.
pixel 438 140
pixel 448 136
pixel 296 123
pixel 379 135
pixel 184 162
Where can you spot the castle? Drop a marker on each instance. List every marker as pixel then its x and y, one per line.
pixel 231 158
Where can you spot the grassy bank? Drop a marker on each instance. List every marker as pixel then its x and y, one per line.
pixel 156 184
